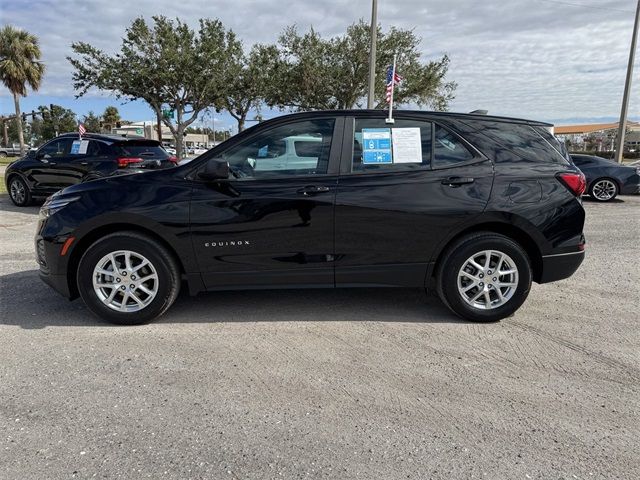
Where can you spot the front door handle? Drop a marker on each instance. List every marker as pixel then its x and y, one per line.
pixel 310 190
pixel 457 181
pixel 84 163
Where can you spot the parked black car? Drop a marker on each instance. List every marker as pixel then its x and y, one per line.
pixel 606 178
pixel 68 159
pixel 476 207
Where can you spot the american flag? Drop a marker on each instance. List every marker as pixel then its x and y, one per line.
pixel 393 79
pixel 81 129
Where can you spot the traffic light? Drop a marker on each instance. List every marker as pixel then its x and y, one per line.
pixel 24 118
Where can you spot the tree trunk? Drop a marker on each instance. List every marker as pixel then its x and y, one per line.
pixel 241 119
pixel 179 136
pixel 16 100
pixel 159 125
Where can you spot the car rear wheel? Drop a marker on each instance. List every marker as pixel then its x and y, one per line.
pixel 19 192
pixel 128 278
pixel 484 277
pixel 603 190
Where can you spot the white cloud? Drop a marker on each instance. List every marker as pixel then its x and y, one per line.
pixel 532 58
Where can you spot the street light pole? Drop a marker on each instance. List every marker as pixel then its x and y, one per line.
pixel 372 52
pixel 627 90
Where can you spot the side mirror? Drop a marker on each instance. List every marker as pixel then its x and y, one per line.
pixel 215 169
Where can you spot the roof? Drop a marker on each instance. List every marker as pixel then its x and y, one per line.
pixel 590 128
pixel 380 112
pixel 107 137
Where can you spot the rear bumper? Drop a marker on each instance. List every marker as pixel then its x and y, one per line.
pixel 560 266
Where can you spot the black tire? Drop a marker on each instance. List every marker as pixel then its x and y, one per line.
pixel 455 259
pixel 166 268
pixel 3 155
pixel 19 192
pixel 603 189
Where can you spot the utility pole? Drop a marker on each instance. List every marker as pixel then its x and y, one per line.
pixel 627 90
pixel 372 52
pixel 5 132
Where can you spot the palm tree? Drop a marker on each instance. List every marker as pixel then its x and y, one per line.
pixel 19 66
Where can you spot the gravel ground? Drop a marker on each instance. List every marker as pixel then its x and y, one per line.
pixel 371 384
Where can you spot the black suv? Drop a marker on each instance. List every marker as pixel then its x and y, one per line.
pixel 474 207
pixel 70 159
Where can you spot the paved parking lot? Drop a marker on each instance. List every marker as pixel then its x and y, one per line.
pixel 371 384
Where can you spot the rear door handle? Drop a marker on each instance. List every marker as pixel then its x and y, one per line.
pixel 457 181
pixel 310 190
pixel 84 163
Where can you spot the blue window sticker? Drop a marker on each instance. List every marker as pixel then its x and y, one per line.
pixel 376 145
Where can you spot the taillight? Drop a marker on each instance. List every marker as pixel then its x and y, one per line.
pixel 173 159
pixel 126 161
pixel 575 182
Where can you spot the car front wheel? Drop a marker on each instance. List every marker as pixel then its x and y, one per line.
pixel 128 278
pixel 484 277
pixel 603 190
pixel 19 192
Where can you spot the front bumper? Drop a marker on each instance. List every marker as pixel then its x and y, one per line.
pixel 560 266
pixel 58 283
pixel 53 266
pixel 631 185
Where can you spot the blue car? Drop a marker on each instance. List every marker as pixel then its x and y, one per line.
pixel 606 178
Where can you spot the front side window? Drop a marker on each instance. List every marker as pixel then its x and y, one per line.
pixel 56 148
pixel 299 148
pixel 403 145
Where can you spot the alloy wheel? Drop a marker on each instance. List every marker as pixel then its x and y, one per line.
pixel 488 279
pixel 604 190
pixel 125 281
pixel 17 191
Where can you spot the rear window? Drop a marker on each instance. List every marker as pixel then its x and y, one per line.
pixel 524 140
pixel 143 150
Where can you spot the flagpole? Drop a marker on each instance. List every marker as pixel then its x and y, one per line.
pixel 393 84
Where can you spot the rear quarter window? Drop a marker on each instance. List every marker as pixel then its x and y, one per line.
pixel 524 140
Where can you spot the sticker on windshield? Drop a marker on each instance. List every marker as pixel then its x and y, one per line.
pixel 376 145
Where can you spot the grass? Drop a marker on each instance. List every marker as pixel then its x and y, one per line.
pixel 7 160
pixel 3 188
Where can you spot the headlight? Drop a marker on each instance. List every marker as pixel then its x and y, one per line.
pixel 53 204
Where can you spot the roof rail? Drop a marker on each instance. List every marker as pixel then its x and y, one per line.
pixel 479 112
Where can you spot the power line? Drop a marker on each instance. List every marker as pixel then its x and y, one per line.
pixel 593 7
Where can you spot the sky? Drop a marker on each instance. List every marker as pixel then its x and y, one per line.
pixel 553 60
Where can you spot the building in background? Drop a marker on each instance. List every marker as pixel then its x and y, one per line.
pixel 598 137
pixel 148 130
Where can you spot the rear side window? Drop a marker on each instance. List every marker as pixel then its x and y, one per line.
pixel 142 150
pixel 448 149
pixel 523 140
pixel 403 145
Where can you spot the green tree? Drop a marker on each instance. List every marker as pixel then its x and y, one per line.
pixel 252 79
pixel 166 64
pixel 20 67
pixel 319 73
pixel 110 118
pixel 92 122
pixel 54 122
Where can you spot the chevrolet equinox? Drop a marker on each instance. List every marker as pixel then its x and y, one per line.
pixel 473 207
